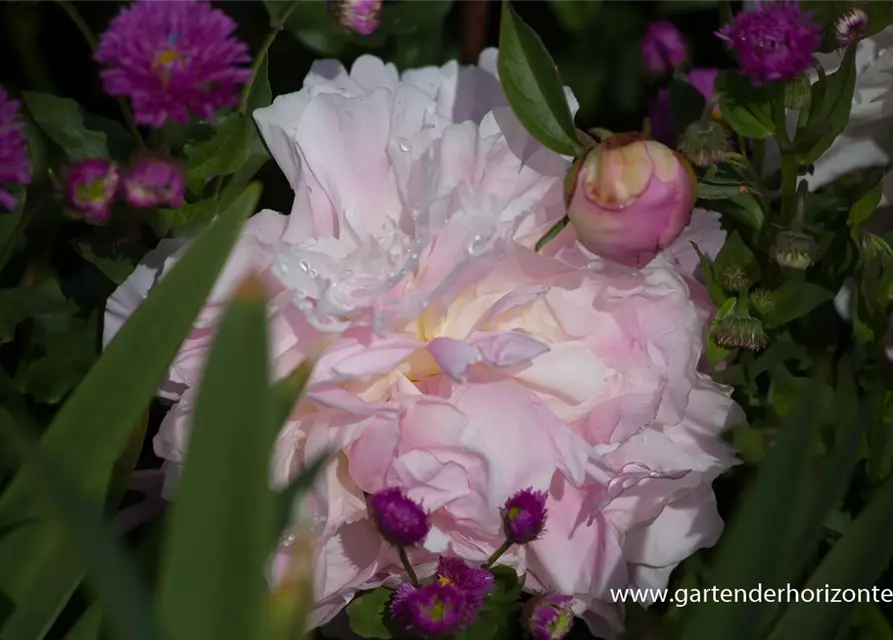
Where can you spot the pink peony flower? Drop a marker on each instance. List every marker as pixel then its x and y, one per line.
pixel 463 366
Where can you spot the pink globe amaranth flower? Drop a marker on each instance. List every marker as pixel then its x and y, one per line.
pixel 663 47
pixel 662 128
pixel 14 163
pixel 549 617
pixel 400 520
pixel 173 59
pixel 474 583
pixel 524 516
pixel 154 182
pixel 633 197
pixel 361 16
pixel 91 188
pixel 455 350
pixel 773 43
pixel 435 610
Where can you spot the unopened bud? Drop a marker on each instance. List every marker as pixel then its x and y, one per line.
pixel 663 47
pixel 632 197
pixel 739 329
pixel 735 278
pixel 704 143
pixel 91 187
pixel 794 250
pixel 763 302
pixel 851 26
pixel 798 93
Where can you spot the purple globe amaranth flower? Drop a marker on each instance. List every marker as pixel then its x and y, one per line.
pixel 173 59
pixel 774 43
pixel 91 188
pixel 631 198
pixel 474 583
pixel 549 617
pixel 524 516
pixel 400 521
pixel 154 182
pixel 663 47
pixel 360 16
pixel 14 163
pixel 435 610
pixel 662 128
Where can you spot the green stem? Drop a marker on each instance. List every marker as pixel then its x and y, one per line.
pixel 69 8
pixel 498 554
pixel 820 85
pixel 789 162
pixel 413 578
pixel 551 233
pixel 278 25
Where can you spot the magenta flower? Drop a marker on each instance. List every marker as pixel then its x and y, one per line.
pixel 91 188
pixel 773 43
pixel 851 26
pixel 435 610
pixel 549 617
pixel 173 59
pixel 474 583
pixel 524 516
pixel 14 165
pixel 154 182
pixel 360 16
pixel 400 521
pixel 663 47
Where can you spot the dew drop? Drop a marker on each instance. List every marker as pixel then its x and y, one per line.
pixel 313 273
pixel 404 144
pixel 304 266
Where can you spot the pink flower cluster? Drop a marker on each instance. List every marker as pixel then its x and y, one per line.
pixel 460 363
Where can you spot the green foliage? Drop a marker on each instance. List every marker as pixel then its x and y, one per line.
pixel 532 85
pixel 832 99
pixel 368 612
pixel 746 108
pixel 62 119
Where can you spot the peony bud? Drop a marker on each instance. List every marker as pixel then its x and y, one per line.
pixel 400 521
pixel 663 47
pixel 763 302
pixel 704 143
pixel 91 188
pixel 632 198
pixel 851 26
pixel 794 249
pixel 798 93
pixel 549 617
pixel 359 16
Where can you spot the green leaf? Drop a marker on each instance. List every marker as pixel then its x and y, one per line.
pixel 508 586
pixel 93 426
pixel 576 17
pixel 777 353
pixel 312 25
pixel 880 449
pixel 708 273
pixel 707 191
pixel 531 83
pixel 225 153
pixel 63 121
pixel 367 614
pixel 88 625
pixel 114 265
pixel 716 353
pixel 212 586
pixel 78 517
pixel 686 103
pixel 795 299
pixel 835 106
pixel 736 255
pixel 190 219
pixel 749 553
pixel 749 443
pixel 747 109
pixel 861 209
pixel 18 305
pixel 856 561
pixel 12 230
pixel 67 355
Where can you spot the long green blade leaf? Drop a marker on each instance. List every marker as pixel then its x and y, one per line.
pixel 79 518
pixel 92 428
pixel 751 554
pixel 212 579
pixel 533 87
pixel 855 562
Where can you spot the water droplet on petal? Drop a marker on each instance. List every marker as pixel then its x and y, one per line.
pixel 313 273
pixel 404 144
pixel 304 266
